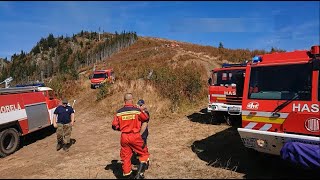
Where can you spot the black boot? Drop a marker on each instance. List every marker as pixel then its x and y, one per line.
pixel 66 147
pixel 141 169
pixel 59 146
pixel 130 176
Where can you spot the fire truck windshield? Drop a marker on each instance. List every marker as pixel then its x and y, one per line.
pixel 319 86
pixel 227 77
pixel 282 82
pixel 101 75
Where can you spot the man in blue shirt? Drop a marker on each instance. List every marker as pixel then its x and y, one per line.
pixel 63 120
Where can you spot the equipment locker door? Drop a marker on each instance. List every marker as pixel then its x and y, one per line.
pixel 37 116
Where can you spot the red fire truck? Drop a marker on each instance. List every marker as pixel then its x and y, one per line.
pixel 280 106
pixel 23 110
pixel 225 92
pixel 102 76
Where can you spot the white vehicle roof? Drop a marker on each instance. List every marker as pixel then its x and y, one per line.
pixel 44 89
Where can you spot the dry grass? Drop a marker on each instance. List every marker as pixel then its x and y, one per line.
pixel 148 54
pixel 140 90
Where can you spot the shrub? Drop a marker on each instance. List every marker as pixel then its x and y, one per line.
pixel 180 84
pixel 103 92
pixel 64 86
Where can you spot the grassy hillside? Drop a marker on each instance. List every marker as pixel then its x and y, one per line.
pixel 170 79
pixel 170 75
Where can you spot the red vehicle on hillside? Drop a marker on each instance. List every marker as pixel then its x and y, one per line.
pixel 280 106
pixel 225 92
pixel 102 76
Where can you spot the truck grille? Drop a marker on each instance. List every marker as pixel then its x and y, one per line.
pixel 233 100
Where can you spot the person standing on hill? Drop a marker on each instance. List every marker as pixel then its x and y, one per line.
pixel 144 125
pixel 143 131
pixel 128 120
pixel 63 120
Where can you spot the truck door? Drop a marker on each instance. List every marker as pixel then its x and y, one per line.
pixel 304 116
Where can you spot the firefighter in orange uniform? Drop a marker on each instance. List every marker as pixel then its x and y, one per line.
pixel 128 120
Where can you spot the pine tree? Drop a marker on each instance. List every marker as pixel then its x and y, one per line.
pixel 221 45
pixel 51 41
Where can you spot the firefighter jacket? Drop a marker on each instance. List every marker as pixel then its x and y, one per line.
pixel 128 119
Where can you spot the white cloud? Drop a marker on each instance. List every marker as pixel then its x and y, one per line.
pixel 291 36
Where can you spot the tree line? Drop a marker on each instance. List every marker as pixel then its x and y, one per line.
pixel 64 55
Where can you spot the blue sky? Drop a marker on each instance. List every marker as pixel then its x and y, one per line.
pixel 253 25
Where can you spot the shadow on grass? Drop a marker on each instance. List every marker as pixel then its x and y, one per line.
pixel 215 118
pixel 225 150
pixel 116 168
pixel 202 117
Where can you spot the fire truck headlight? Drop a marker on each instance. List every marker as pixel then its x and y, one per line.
pixel 261 143
pixel 213 107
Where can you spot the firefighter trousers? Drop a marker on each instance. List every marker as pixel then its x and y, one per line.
pixel 132 142
pixel 64 133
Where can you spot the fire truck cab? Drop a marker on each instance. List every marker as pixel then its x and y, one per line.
pixel 225 92
pixel 24 110
pixel 102 76
pixel 280 106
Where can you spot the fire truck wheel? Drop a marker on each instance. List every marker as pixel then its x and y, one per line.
pixel 9 141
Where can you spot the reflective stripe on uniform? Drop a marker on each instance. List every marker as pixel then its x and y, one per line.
pixel 127 174
pixel 128 117
pixel 128 113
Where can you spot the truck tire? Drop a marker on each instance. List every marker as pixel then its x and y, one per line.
pixel 9 141
pixel 214 118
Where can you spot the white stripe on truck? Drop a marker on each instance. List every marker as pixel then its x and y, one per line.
pixel 19 115
pixel 266 127
pixel 250 125
pixel 218 95
pixel 13 116
pixel 264 114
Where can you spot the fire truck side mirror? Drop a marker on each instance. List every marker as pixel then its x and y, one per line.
pixel 316 64
pixel 210 81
